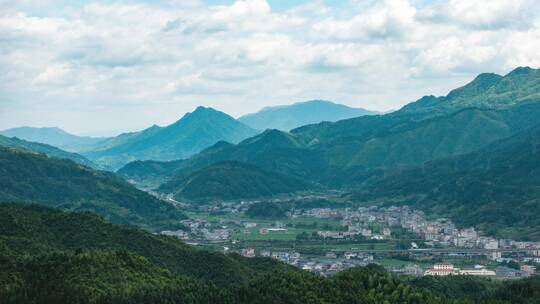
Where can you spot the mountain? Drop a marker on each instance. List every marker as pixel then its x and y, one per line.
pixel 345 153
pixel 231 180
pixel 487 90
pixel 189 135
pixel 288 117
pixel 54 137
pixel 44 148
pixel 496 188
pixel 32 177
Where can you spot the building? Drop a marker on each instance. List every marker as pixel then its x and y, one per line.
pixel 248 252
pixel 442 270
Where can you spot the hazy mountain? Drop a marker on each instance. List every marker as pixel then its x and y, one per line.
pixel 299 114
pixel 496 188
pixel 189 135
pixel 54 137
pixel 230 181
pixel 32 177
pixel 44 148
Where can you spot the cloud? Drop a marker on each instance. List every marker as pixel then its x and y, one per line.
pixel 158 59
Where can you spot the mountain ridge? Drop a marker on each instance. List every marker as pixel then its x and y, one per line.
pixel 288 117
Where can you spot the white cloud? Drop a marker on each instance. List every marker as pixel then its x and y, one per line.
pixel 160 59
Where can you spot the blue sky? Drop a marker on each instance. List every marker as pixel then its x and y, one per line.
pixel 97 67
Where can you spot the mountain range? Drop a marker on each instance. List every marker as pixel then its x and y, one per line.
pixel 288 117
pixel 349 153
pixel 345 152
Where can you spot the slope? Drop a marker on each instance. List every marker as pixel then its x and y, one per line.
pixel 31 177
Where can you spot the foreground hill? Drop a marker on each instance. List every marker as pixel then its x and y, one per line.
pixel 230 180
pixel 50 256
pixel 32 177
pixel 36 230
pixel 54 137
pixel 189 135
pixel 288 117
pixel 496 188
pixel 44 148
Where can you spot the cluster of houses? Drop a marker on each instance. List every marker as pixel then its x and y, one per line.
pixel 324 266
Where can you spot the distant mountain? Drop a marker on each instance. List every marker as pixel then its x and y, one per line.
pixel 31 177
pixel 54 137
pixel 44 148
pixel 288 117
pixel 189 135
pixel 230 181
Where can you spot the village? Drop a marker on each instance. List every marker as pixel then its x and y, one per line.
pixel 329 240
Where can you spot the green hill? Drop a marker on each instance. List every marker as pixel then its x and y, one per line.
pixel 230 180
pixel 189 135
pixel 496 188
pixel 299 114
pixel 37 230
pixel 96 277
pixel 44 148
pixel 32 177
pixel 53 136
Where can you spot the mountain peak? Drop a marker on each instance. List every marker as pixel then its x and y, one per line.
pixel 520 71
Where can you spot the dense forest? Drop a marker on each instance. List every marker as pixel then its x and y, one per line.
pixel 51 256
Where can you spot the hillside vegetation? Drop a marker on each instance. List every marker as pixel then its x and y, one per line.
pixel 496 188
pixel 32 177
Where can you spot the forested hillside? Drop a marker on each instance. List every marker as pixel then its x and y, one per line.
pixel 496 188
pixel 36 178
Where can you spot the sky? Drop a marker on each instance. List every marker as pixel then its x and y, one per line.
pixel 103 67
